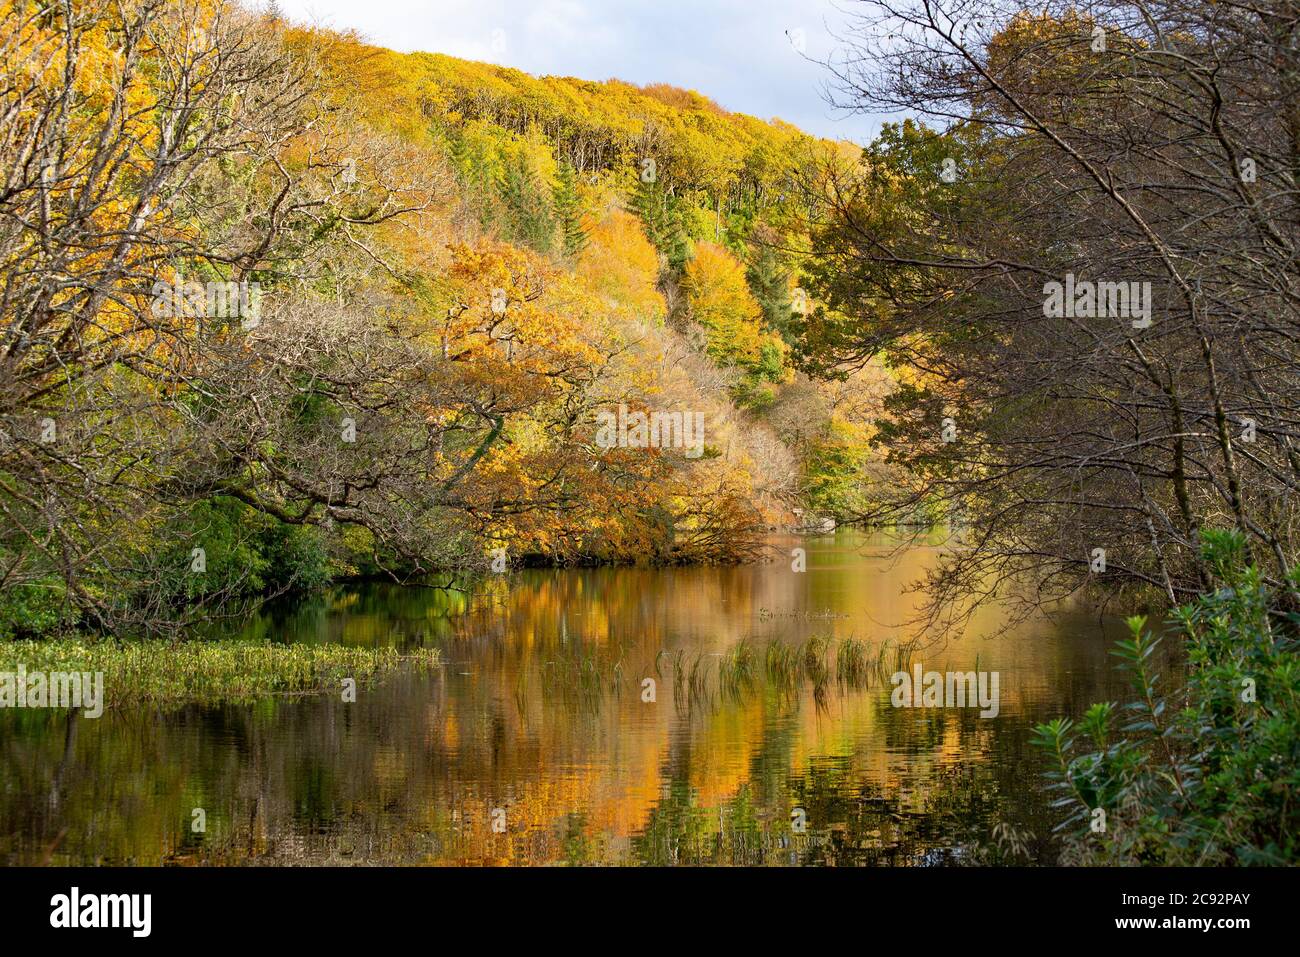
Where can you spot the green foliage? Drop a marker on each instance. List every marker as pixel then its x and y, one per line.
pixel 665 223
pixel 771 362
pixel 34 609
pixel 246 554
pixel 475 159
pixel 569 212
pixel 1210 778
pixel 296 557
pixel 769 279
pixel 896 196
pixel 526 203
pixel 752 395
pixel 833 465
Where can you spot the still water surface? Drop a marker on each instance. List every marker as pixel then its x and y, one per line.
pixel 535 723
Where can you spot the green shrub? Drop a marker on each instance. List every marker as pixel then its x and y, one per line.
pixel 246 554
pixel 1206 775
pixel 227 531
pixel 34 610
pixel 296 557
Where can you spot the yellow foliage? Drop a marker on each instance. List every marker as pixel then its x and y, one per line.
pixel 721 302
pixel 621 266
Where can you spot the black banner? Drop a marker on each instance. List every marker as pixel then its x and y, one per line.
pixel 334 906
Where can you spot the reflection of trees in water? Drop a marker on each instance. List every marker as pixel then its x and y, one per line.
pixel 413 770
pixel 921 815
pixel 317 781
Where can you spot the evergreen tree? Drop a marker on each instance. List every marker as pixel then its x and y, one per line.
pixel 664 222
pixel 529 219
pixel 569 211
pixel 769 279
pixel 471 168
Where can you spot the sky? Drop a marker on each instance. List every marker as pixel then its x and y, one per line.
pixel 737 52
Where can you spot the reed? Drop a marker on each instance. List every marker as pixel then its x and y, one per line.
pixel 851 669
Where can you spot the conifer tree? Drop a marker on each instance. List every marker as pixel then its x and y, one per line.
pixel 664 222
pixel 525 202
pixel 769 279
pixel 471 167
pixel 569 211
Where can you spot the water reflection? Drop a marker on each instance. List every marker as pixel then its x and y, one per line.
pixel 537 724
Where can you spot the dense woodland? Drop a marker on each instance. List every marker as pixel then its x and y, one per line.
pixel 458 267
pixel 1089 149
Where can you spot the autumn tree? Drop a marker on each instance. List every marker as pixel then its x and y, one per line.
pixel 721 302
pixel 1150 146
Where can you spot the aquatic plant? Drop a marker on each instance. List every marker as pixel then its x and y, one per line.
pixel 174 673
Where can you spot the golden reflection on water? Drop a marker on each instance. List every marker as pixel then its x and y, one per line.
pixel 533 744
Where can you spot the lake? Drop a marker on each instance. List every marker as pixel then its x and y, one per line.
pixel 535 741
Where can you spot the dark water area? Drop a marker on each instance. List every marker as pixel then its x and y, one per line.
pixel 532 744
